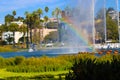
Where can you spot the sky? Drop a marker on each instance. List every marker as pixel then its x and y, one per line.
pixel 21 6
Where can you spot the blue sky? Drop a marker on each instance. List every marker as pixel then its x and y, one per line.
pixel 7 6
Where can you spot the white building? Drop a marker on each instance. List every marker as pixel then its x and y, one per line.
pixel 9 34
pixel 18 35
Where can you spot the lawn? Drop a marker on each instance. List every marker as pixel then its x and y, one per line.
pixel 4 74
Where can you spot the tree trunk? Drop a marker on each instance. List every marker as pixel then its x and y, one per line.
pixel 27 45
pixel 30 35
pixel 13 38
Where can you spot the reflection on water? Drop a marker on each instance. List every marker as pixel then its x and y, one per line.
pixel 47 52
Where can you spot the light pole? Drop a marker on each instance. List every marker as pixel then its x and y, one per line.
pixel 118 19
pixel 105 28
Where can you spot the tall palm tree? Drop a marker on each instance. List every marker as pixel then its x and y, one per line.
pixel 14 13
pixel 46 17
pixel 8 19
pixel 29 22
pixel 46 9
pixel 40 12
pixel 36 23
pixel 45 20
pixel 57 13
pixel 53 13
pixel 26 21
pixel 23 28
pixel 13 27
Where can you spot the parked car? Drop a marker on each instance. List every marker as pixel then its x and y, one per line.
pixel 49 45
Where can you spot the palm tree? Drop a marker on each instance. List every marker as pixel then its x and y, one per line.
pixel 53 13
pixel 26 21
pixel 29 22
pixel 45 20
pixel 13 27
pixel 14 13
pixel 40 12
pixel 57 13
pixel 36 23
pixel 23 28
pixel 46 9
pixel 8 19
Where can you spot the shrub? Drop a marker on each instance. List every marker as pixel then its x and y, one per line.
pixel 97 69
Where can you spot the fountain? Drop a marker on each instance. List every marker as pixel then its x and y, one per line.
pixel 78 25
pixel 83 24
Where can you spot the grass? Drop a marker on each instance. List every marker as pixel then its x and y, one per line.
pixel 4 74
pixel 8 48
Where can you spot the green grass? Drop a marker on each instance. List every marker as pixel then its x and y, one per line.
pixel 4 74
pixel 7 48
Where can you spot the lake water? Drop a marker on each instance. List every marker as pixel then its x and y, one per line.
pixel 47 52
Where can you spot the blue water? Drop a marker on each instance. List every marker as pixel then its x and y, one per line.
pixel 46 52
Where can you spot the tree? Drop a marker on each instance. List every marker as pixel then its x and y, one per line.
pixel 112 28
pixel 14 13
pixel 13 27
pixel 3 28
pixel 57 13
pixel 8 19
pixel 23 28
pixel 111 25
pixel 52 36
pixel 40 12
pixel 46 9
pixel 45 20
pixel 29 21
pixel 36 23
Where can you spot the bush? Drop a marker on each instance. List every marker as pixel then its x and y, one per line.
pixel 3 42
pixel 88 69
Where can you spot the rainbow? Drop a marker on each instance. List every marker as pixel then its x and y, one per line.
pixel 76 31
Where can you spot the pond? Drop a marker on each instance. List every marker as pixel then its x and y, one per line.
pixel 47 52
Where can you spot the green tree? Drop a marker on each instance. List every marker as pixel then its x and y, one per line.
pixel 8 19
pixel 14 13
pixel 112 28
pixel 29 21
pixel 23 28
pixel 13 27
pixel 46 19
pixel 46 9
pixel 52 36
pixel 26 21
pixel 40 12
pixel 1 31
pixel 57 14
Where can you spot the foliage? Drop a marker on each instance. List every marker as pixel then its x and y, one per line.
pixel 8 18
pixel 103 68
pixel 52 36
pixel 112 28
pixel 7 48
pixel 82 66
pixel 3 43
pixel 111 25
